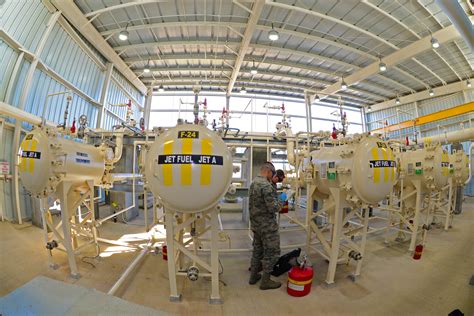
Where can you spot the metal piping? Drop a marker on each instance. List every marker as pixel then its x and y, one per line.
pixel 460 20
pixel 462 135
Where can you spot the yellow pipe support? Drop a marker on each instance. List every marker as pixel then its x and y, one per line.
pixel 437 116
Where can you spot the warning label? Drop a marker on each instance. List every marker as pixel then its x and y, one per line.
pixel 382 163
pixel 31 154
pixel 191 159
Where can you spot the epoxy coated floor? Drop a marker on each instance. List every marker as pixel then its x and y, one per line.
pixel 392 283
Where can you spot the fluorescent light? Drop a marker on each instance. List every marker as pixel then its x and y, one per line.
pixel 123 35
pixel 254 70
pixel 243 91
pixel 343 85
pixel 431 92
pixel 382 67
pixel 469 83
pixel 161 88
pixel 273 35
pixel 397 100
pixel 434 42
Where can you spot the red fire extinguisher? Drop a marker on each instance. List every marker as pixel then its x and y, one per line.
pixel 418 252
pixel 164 251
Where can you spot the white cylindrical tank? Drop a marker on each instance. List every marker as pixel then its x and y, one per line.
pixel 365 168
pixel 46 158
pixel 459 167
pixel 430 165
pixel 189 167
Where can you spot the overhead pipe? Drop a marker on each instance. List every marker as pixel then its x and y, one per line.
pixel 462 135
pixel 459 19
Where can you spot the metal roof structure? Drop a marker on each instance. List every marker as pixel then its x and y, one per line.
pixel 215 44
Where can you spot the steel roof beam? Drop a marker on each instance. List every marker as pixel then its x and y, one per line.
pixel 74 15
pixel 257 9
pixel 268 73
pixel 230 24
pixel 211 81
pixel 119 6
pixel 443 36
pixel 423 95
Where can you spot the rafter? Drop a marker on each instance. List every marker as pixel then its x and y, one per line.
pixel 445 35
pixel 220 69
pixel 246 83
pixel 257 9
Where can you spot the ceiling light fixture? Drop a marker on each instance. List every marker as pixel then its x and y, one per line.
pixel 123 35
pixel 468 83
pixel 431 92
pixel 382 66
pixel 147 67
pixel 397 100
pixel 317 99
pixel 343 84
pixel 161 88
pixel 273 35
pixel 243 91
pixel 254 70
pixel 369 108
pixel 434 42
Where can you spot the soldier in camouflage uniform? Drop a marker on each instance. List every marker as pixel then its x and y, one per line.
pixel 263 205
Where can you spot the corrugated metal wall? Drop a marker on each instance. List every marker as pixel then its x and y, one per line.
pixel 25 22
pixel 426 107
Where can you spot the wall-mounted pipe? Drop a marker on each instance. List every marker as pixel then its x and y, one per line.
pixel 450 137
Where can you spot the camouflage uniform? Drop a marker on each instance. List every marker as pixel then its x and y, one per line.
pixel 264 205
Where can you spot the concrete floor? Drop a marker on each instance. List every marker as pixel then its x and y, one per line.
pixel 392 283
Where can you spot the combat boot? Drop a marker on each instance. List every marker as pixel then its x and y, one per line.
pixel 267 283
pixel 254 276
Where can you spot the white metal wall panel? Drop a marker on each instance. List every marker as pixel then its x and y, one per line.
pixel 441 103
pixel 24 20
pixel 8 57
pixel 67 58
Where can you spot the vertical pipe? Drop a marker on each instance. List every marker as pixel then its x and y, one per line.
pixel 103 95
pixel 227 107
pixel 196 108
pixel 309 123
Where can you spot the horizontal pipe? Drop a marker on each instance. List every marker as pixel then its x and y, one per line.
pixel 14 112
pixel 450 137
pixel 127 271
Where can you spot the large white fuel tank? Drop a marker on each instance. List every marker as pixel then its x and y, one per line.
pixel 364 168
pixel 189 167
pixel 46 158
pixel 430 165
pixel 459 167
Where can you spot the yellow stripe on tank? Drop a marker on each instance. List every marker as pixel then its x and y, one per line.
pixel 393 168
pixel 31 167
pixel 25 144
pixel 168 168
pixel 385 169
pixel 375 156
pixel 206 170
pixel 187 169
